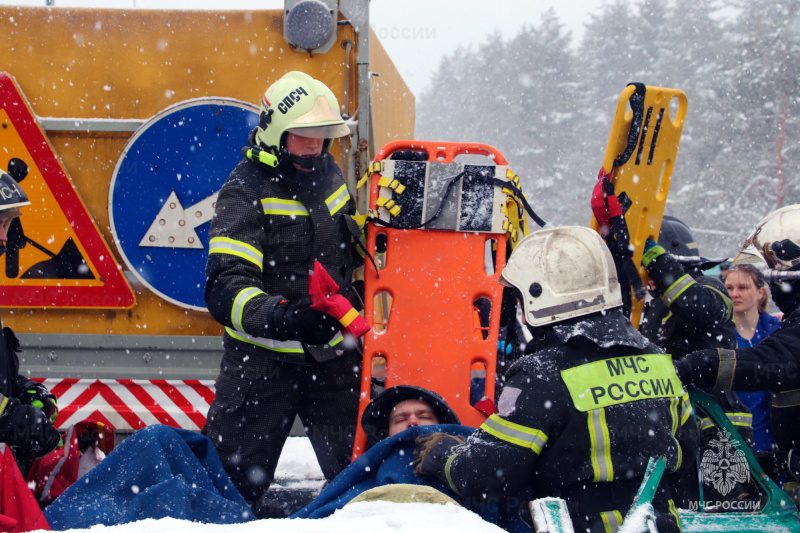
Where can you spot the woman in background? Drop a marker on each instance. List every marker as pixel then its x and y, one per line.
pixel 750 296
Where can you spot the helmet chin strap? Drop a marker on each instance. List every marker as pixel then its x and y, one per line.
pixel 307 163
pixel 316 174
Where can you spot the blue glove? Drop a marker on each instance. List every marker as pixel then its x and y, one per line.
pixel 649 243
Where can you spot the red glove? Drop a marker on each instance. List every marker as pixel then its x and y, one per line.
pixel 486 406
pixel 324 298
pixel 605 205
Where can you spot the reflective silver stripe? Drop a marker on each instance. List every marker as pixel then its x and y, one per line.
pixel 740 419
pixel 611 521
pixel 269 344
pixel 600 452
pixel 237 311
pixel 677 288
pixel 224 245
pixel 338 199
pixel 789 398
pixel 276 346
pixel 686 409
pixel 727 368
pixel 279 206
pixel 515 433
pixel 705 423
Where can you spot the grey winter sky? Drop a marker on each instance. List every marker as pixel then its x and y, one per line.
pixel 416 33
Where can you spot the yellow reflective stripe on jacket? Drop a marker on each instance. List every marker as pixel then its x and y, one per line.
pixel 737 419
pixel 276 346
pixel 741 419
pixel 673 413
pixel 677 421
pixel 515 433
pixel 224 245
pixel 601 445
pixel 686 408
pixel 705 423
pixel 727 368
pixel 3 404
pixel 447 473
pixel 237 311
pixel 620 380
pixel 280 206
pixel 338 199
pixel 674 512
pixel 269 344
pixel 728 303
pixel 677 288
pixel 612 520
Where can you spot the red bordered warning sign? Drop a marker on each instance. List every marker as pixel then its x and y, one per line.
pixel 55 255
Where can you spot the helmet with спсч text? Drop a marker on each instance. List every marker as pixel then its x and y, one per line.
pixel 561 273
pixel 299 104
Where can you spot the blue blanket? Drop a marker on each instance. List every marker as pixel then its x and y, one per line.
pixel 158 472
pixel 388 463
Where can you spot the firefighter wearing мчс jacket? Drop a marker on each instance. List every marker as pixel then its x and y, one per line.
pixel 586 407
pixel 284 206
pixel 27 408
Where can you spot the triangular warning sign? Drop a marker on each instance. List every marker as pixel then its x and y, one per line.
pixel 56 256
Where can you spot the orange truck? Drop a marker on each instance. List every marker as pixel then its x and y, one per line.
pixel 121 125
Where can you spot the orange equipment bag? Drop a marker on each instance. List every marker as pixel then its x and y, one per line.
pixel 444 234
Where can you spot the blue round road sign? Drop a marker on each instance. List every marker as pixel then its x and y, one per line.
pixel 164 189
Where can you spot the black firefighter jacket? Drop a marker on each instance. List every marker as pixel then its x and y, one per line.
pixel 772 365
pixel 26 429
pixel 690 314
pixel 580 419
pixel 694 313
pixel 264 238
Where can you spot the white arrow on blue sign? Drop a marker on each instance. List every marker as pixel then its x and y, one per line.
pixel 164 190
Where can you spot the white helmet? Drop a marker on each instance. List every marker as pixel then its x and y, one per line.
pixel 302 105
pixel 562 273
pixel 775 240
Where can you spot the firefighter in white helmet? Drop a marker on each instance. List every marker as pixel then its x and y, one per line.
pixel 774 364
pixel 27 408
pixel 284 206
pixel 588 404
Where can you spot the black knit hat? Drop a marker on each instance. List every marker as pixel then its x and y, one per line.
pixel 375 420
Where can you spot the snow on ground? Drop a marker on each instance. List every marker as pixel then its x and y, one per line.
pixel 361 517
pixel 298 463
pixel 297 466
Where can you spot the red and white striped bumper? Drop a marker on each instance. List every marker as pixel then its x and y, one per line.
pixel 131 404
